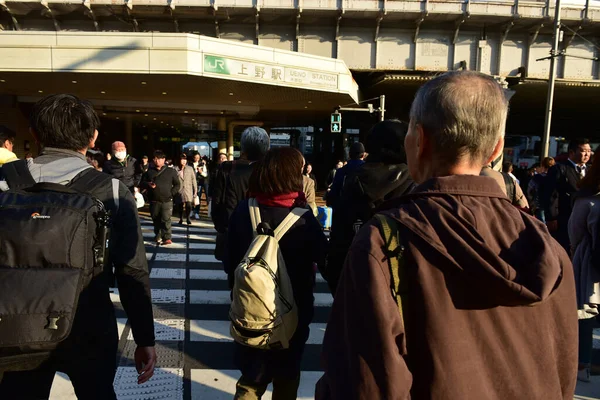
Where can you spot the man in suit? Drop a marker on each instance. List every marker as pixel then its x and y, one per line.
pixel 561 183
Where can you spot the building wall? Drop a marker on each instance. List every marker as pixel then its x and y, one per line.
pixel 354 38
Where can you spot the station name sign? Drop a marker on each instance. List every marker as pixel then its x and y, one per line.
pixel 268 73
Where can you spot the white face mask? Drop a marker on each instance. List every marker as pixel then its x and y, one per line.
pixel 120 155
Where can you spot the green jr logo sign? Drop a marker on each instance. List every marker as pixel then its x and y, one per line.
pixel 216 65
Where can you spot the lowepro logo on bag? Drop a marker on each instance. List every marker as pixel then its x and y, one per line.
pixel 39 216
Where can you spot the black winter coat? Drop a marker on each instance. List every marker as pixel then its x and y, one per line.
pixel 229 189
pixel 302 246
pixel 167 184
pixel 364 190
pixel 128 171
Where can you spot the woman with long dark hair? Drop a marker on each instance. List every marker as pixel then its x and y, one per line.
pixel 276 183
pixel 585 249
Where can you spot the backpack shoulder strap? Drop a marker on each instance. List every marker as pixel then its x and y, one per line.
pixel 254 215
pixel 288 222
pixel 17 174
pixel 394 251
pixel 511 191
pixel 86 181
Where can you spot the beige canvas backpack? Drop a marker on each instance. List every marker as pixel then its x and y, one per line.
pixel 263 312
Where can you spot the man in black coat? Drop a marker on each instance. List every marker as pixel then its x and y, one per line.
pixel 560 184
pixel 232 180
pixel 123 167
pixel 382 177
pixel 163 185
pixel 66 127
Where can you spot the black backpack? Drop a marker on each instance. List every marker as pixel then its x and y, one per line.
pixel 53 242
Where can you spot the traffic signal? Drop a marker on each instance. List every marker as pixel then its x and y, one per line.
pixel 336 122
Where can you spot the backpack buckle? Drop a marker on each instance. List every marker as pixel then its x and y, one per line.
pixel 52 322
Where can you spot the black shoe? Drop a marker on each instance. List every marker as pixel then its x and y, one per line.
pixel 189 222
pixel 180 222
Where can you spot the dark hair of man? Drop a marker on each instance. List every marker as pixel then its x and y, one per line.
pixel 591 181
pixel 385 142
pixel 6 135
pixel 464 115
pixel 222 154
pixel 159 154
pixel 280 172
pixel 64 121
pixel 356 155
pixel 506 167
pixel 548 162
pixel 575 143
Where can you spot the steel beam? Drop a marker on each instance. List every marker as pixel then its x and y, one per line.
pixel 217 31
pixel 171 7
pixel 88 12
pixel 13 19
pixel 587 10
pixel 132 20
pixel 47 12
pixel 535 35
pixel 568 42
pixel 337 25
pixel 418 27
pixel 378 24
pixel 298 16
pixel 506 31
pixel 458 24
pixel 424 15
pixel 257 23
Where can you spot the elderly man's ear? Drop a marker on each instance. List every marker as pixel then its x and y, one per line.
pixel 497 151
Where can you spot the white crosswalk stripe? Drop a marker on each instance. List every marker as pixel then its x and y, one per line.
pixel 191 299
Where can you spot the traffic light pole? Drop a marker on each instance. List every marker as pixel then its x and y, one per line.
pixel 554 54
pixel 369 109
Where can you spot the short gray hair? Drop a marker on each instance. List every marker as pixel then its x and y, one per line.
pixel 464 112
pixel 254 143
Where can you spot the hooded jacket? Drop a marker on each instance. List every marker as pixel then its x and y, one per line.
pixel 489 307
pixel 365 189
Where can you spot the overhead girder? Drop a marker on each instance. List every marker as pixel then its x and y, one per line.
pixel 13 18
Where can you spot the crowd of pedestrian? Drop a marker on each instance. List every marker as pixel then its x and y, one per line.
pixel 448 279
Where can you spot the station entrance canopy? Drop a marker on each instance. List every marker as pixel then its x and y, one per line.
pixel 176 75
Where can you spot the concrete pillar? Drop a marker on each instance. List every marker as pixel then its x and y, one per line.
pixel 222 128
pixel 129 133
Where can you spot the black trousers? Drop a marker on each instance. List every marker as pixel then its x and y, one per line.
pixel 92 377
pixel 161 218
pixel 188 209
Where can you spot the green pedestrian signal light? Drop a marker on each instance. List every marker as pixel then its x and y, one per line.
pixel 336 122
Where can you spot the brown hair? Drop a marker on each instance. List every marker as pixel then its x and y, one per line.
pixel 591 180
pixel 548 162
pixel 280 172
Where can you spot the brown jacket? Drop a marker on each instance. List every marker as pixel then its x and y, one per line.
pixel 490 311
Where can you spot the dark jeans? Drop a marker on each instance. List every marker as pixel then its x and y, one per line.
pixel 161 218
pixel 586 340
pixel 92 378
pixel 188 208
pixel 201 187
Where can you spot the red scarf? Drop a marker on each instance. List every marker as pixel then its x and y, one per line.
pixel 288 200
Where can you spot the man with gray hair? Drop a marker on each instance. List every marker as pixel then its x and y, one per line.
pixel 452 292
pixel 232 180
